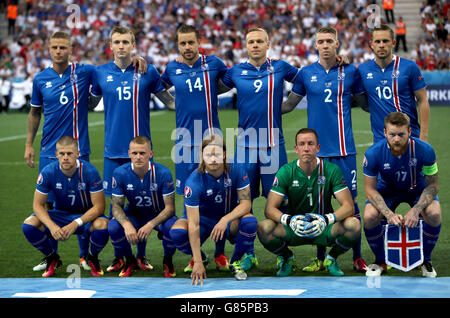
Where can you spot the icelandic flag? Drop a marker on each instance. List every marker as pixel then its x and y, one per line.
pixel 403 246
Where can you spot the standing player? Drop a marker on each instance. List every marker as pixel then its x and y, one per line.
pixel 309 183
pixel 393 83
pixel 401 169
pixel 195 79
pixel 148 187
pixel 260 142
pixel 330 88
pixel 79 205
pixel 61 93
pixel 217 205
pixel 126 98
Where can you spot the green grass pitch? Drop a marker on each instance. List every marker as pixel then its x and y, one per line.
pixel 17 182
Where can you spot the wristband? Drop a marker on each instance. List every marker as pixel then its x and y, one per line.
pixel 285 219
pixel 330 218
pixel 79 221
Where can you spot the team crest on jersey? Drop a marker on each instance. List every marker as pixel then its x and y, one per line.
pixel 81 186
pixel 412 162
pixel 73 78
pixel 275 182
pixel 40 179
pixel 187 192
pixel 270 69
pixel 396 74
pixel 227 182
pixel 153 187
pixel 205 67
pixel 136 76
pixel 321 180
pixel 341 76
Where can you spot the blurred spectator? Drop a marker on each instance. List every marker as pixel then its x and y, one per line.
pixel 388 6
pixel 400 34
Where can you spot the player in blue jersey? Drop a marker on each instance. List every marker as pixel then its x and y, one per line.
pixel 79 204
pixel 61 93
pixel 393 83
pixel 401 169
pixel 126 96
pixel 217 205
pixel 148 187
pixel 195 79
pixel 331 88
pixel 259 83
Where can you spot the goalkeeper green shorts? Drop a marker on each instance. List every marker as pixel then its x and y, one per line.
pixel 325 238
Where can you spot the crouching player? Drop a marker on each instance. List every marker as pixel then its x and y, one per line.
pixel 309 184
pixel 401 169
pixel 217 205
pixel 78 207
pixel 148 187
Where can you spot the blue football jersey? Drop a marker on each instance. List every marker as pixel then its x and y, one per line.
pixel 72 194
pixel 126 99
pixel 392 89
pixel 145 197
pixel 196 99
pixel 259 99
pixel 399 173
pixel 215 197
pixel 64 102
pixel 329 105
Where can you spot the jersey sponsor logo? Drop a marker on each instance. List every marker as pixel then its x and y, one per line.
pixel 187 192
pixel 313 78
pixel 58 185
pixel 244 72
pixel 295 183
pixel 178 71
pixel 48 85
pixel 130 187
pixel 109 78
pixel 369 76
pixel 386 166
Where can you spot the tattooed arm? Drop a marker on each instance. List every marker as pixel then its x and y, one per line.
pixel 119 215
pixel 34 118
pixel 378 202
pixel 427 196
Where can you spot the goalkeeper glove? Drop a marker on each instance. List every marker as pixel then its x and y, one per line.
pixel 318 223
pixel 297 223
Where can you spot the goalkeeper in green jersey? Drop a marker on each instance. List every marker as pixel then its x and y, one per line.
pixel 308 183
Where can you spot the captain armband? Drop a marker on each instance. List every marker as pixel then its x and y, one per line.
pixel 430 170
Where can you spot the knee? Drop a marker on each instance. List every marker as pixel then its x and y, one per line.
pixel 114 227
pixel 432 214
pixel 99 224
pixel 248 224
pixel 371 217
pixel 264 229
pixel 352 226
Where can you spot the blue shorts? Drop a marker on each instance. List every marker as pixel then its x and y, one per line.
pixel 109 164
pixel 394 199
pixel 347 165
pixel 44 161
pixel 187 159
pixel 62 218
pixel 262 164
pixel 206 227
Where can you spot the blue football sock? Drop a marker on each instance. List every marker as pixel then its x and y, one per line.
pixel 220 247
pixel 83 242
pixel 375 238
pixel 357 246
pixel 180 238
pixel 98 241
pixel 38 239
pixel 118 239
pixel 245 238
pixel 141 249
pixel 430 236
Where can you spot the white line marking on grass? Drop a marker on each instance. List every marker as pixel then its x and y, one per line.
pixel 241 292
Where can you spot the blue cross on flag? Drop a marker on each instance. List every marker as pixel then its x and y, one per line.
pixel 403 246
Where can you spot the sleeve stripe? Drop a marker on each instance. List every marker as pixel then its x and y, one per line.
pixel 41 192
pixel 243 187
pixel 340 190
pixel 192 206
pixel 169 193
pixel 279 193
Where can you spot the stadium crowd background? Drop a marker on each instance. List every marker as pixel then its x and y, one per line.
pixel 290 23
